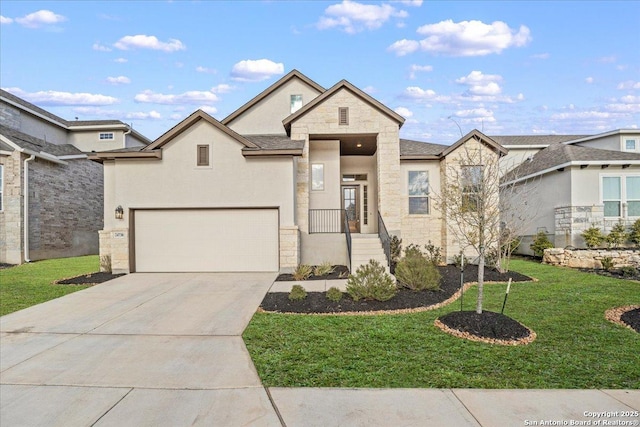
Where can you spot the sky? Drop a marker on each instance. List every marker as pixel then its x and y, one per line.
pixel 503 67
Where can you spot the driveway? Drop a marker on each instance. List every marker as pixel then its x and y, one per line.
pixel 126 351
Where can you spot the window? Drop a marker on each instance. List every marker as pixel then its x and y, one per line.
pixel 317 177
pixel 354 177
pixel 633 195
pixel 611 195
pixel 106 136
pixel 418 189
pixel 203 155
pixel 1 188
pixel 471 188
pixel 296 103
pixel 630 144
pixel 343 115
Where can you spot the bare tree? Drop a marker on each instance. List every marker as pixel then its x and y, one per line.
pixel 478 211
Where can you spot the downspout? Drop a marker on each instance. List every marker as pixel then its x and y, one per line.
pixel 124 136
pixel 26 207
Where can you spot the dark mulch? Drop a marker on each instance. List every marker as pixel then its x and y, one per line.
pixel 339 272
pixel 317 302
pixel 3 265
pixel 89 279
pixel 486 325
pixel 632 318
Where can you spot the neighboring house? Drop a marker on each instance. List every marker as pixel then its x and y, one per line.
pixel 50 193
pixel 580 182
pixel 299 174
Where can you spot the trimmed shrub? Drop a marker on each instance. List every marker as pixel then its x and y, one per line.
pixel 323 269
pixel 540 243
pixel 297 293
pixel 371 282
pixel 302 272
pixel 433 253
pixel 334 294
pixel 628 271
pixel 593 237
pixel 634 233
pixel 617 236
pixel 417 273
pixel 607 263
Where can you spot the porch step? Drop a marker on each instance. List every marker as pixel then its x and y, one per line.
pixel 365 247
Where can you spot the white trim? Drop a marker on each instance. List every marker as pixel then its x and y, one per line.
pixel 73 157
pixel 574 163
pixel 603 135
pixel 623 143
pixel 532 146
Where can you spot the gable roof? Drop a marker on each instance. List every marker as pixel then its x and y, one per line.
pixel 558 156
pixel 342 84
pixel 37 146
pixel 17 101
pixel 262 95
pixel 603 135
pixel 533 140
pixel 417 150
pixel 476 134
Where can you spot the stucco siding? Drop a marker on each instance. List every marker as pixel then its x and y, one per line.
pixel 89 140
pixel 611 142
pixel 31 125
pixel 364 165
pixel 327 154
pixel 515 157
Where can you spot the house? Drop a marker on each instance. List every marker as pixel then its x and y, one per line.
pixel 298 174
pixel 50 193
pixel 578 182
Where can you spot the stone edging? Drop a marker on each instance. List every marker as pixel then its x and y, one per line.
pixel 614 314
pixel 465 335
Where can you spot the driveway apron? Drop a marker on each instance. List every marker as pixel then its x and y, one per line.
pixel 143 349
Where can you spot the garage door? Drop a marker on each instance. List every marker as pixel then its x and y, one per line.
pixel 177 240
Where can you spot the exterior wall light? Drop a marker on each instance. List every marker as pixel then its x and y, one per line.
pixel 119 212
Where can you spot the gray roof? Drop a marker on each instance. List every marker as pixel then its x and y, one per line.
pixel 419 148
pixel 31 106
pixel 94 122
pixel 37 145
pixel 275 142
pixel 534 139
pixel 559 154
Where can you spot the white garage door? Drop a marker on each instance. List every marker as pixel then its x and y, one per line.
pixel 206 240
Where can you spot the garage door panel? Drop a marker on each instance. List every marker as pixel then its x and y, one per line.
pixel 206 240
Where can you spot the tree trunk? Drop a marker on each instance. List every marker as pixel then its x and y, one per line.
pixel 480 282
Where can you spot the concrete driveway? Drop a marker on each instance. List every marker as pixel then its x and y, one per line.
pixel 127 351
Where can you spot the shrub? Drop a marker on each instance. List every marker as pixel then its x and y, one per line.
pixel 297 293
pixel 417 273
pixel 628 271
pixel 302 272
pixel 457 260
pixel 607 263
pixel 413 250
pixel 433 253
pixel 634 233
pixel 395 246
pixel 323 269
pixel 540 243
pixel 371 281
pixel 334 294
pixel 617 236
pixel 593 237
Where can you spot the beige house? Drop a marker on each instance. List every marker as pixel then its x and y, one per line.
pixel 575 182
pixel 50 193
pixel 299 174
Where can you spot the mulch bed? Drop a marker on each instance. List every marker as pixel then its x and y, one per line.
pixel 489 327
pixel 3 265
pixel 405 300
pixel 339 272
pixel 628 316
pixel 88 279
pixel 615 273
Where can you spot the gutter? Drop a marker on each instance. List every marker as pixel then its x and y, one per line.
pixel 26 207
pixel 124 137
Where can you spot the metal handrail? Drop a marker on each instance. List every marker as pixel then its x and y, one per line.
pixel 325 220
pixel 383 234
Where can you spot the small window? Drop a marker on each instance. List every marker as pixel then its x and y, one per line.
pixel 630 144
pixel 106 136
pixel 343 115
pixel 611 196
pixel 317 177
pixel 296 103
pixel 203 155
pixel 471 188
pixel 1 188
pixel 418 189
pixel 354 177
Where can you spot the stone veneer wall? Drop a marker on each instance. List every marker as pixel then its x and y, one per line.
pixel 11 215
pixel 591 258
pixel 571 221
pixel 289 248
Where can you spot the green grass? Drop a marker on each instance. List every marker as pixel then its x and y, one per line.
pixel 575 348
pixel 28 284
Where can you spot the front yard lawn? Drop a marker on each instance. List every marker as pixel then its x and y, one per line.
pixel 575 348
pixel 28 284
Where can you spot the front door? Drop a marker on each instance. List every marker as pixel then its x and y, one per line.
pixel 352 207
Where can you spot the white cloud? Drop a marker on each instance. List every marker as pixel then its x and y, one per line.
pixel 201 69
pixel 370 90
pixel 209 109
pixel 414 69
pixel 353 17
pixel 256 70
pixel 414 3
pixel 101 48
pixel 116 114
pixel 629 84
pixel 589 80
pixel 404 112
pixel 423 95
pixel 142 41
pixel 222 88
pixel 465 38
pixel 5 20
pixel 40 18
pixel 541 56
pixel 481 84
pixel 475 113
pixel 190 97
pixel 52 97
pixel 138 115
pixel 120 60
pixel 175 116
pixel 120 80
pixel 581 115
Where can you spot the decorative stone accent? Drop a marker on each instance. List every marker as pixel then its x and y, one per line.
pixel 289 247
pixel 591 258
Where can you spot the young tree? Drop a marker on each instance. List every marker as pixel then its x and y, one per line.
pixel 480 212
